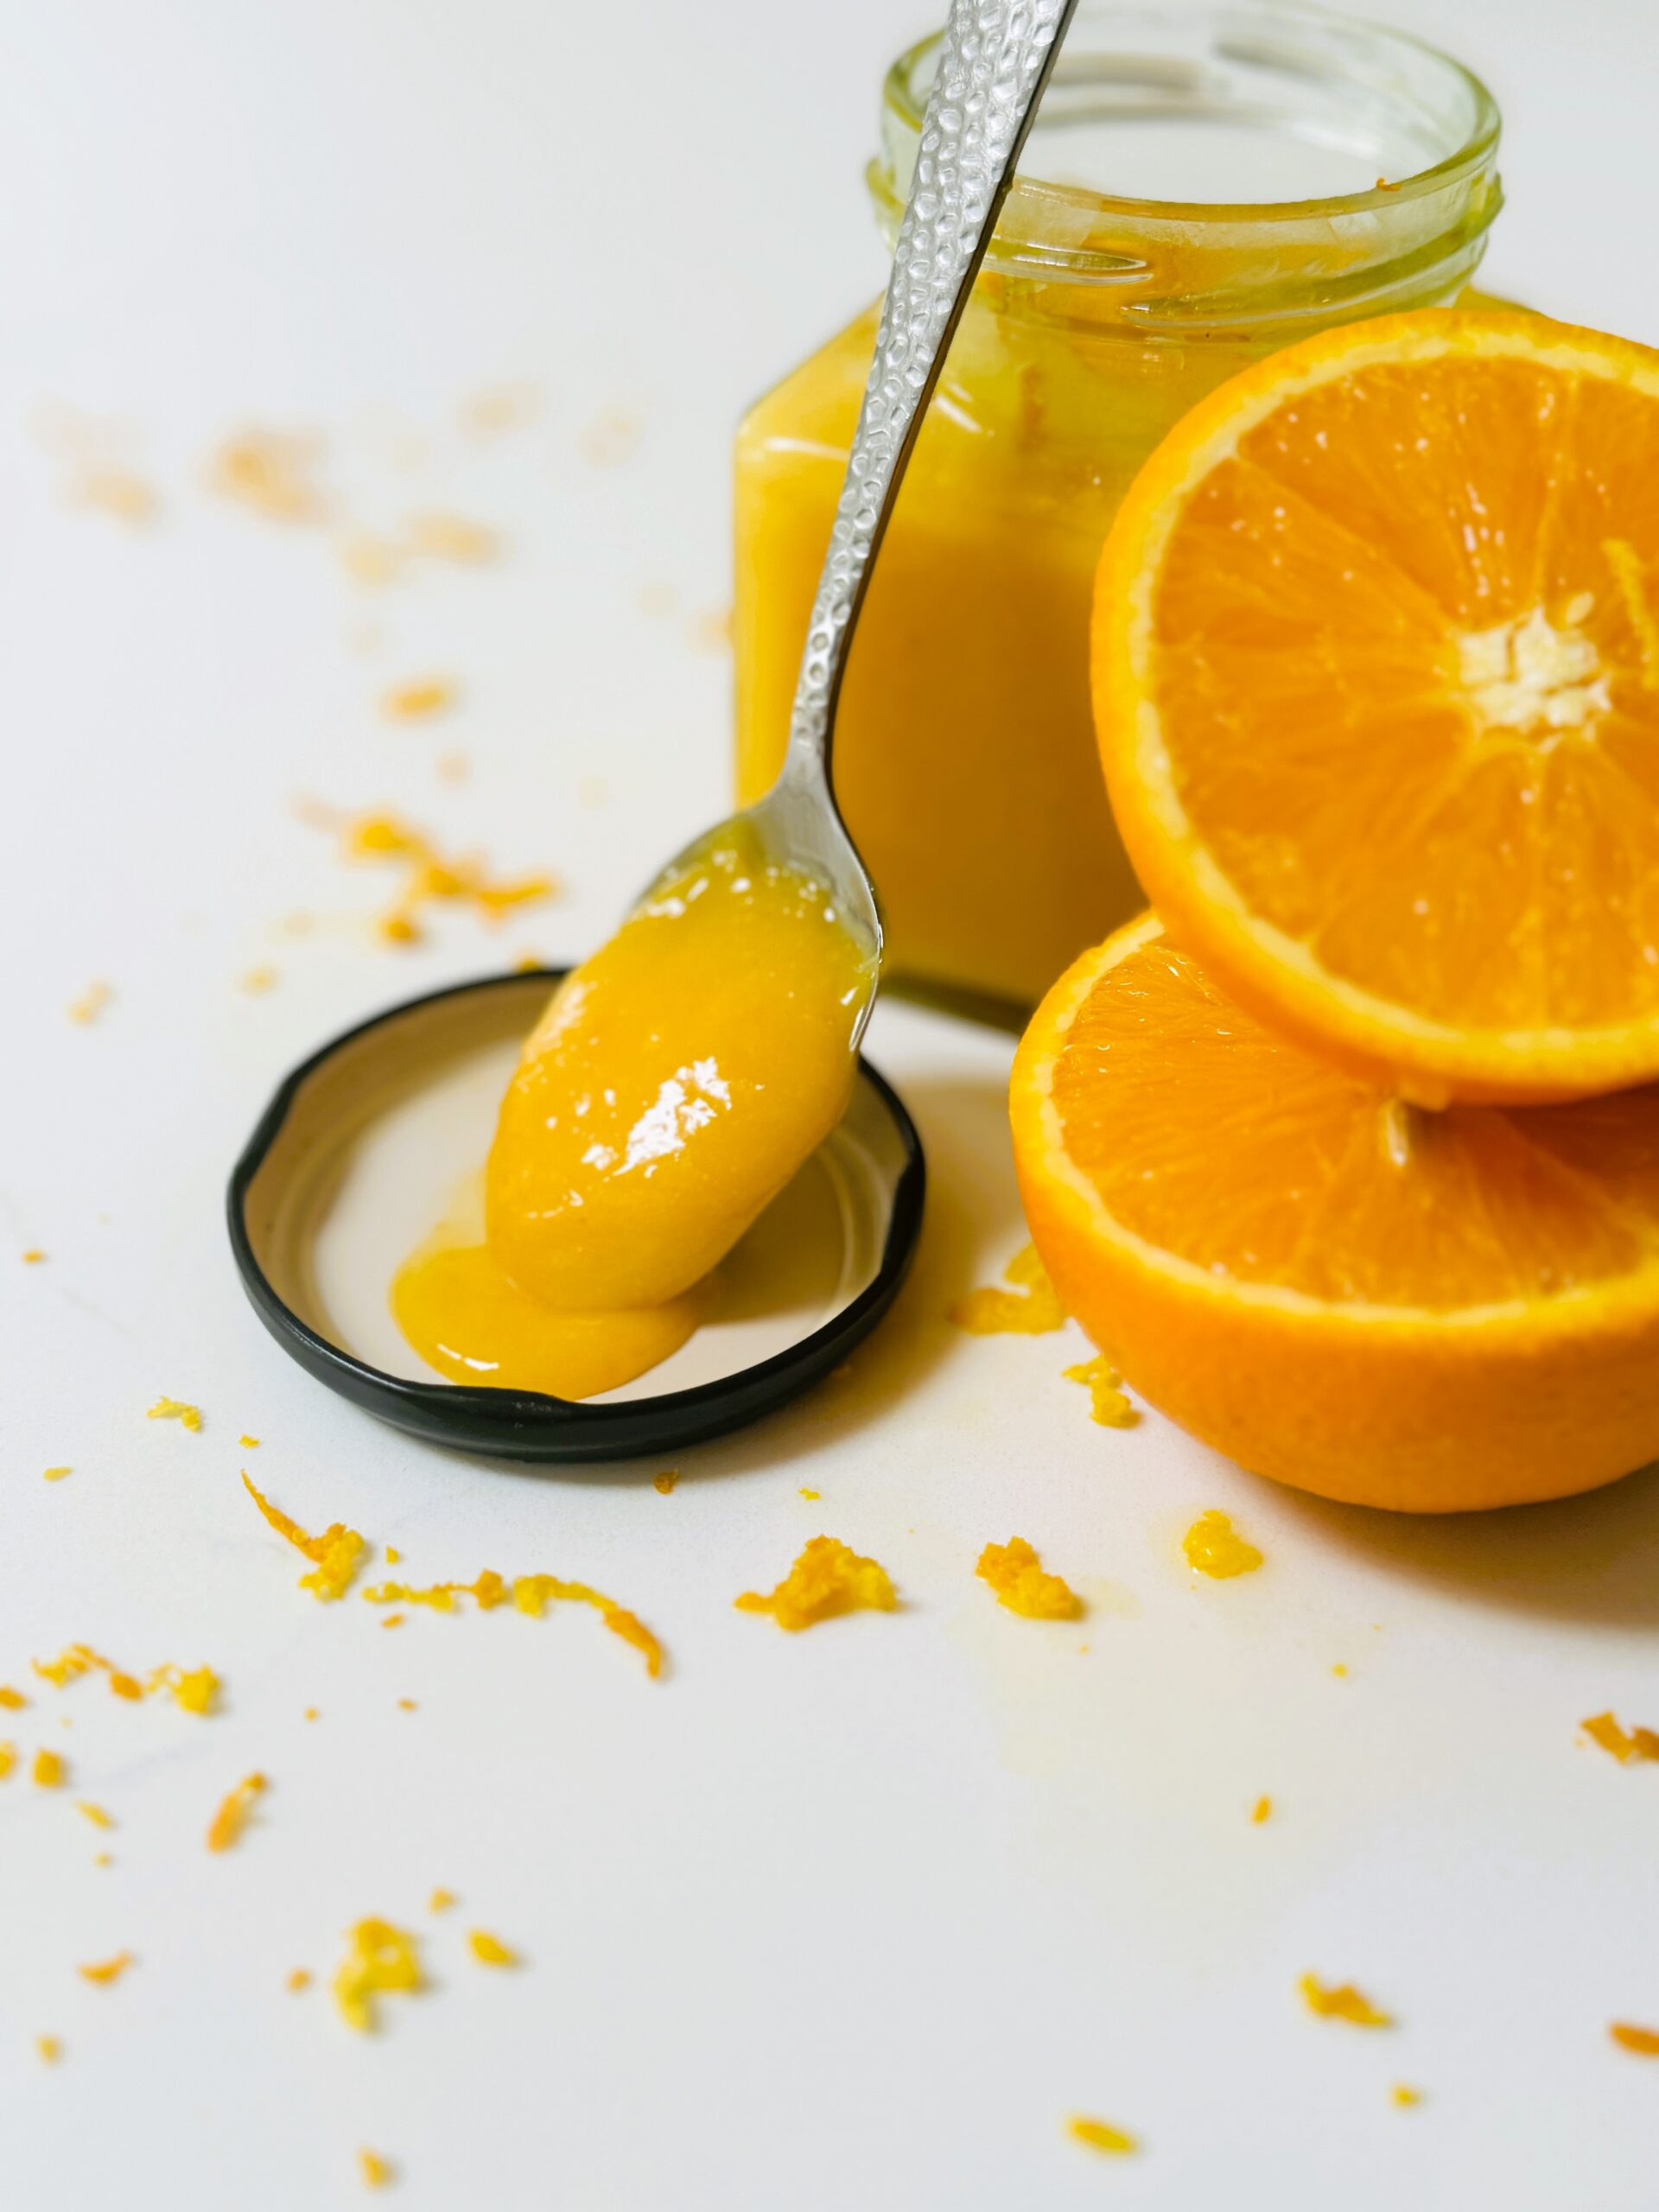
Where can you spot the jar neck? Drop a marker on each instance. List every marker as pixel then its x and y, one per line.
pixel 1246 100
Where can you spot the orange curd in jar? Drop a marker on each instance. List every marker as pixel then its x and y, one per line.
pixel 1219 181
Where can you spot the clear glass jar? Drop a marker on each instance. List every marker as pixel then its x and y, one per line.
pixel 1293 171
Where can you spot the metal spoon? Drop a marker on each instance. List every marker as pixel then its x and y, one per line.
pixel 993 62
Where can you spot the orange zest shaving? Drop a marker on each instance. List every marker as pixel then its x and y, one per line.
pixel 664 1483
pixel 528 1593
pixel 1342 2002
pixel 249 1443
pixel 106 1970
pixel 1261 1810
pixel 49 2048
pixel 95 1813
pixel 335 1552
pixel 1624 1745
pixel 1213 1548
pixel 55 1474
pixel 13 1700
pixel 271 472
pixel 828 1579
pixel 1032 1310
pixel 91 1003
pixel 1108 1404
pixel 1644 2041
pixel 176 1409
pixel 381 1960
pixel 441 1900
pixel 33 1257
pixel 49 1771
pixel 1404 2095
pixel 298 1979
pixel 1015 1572
pixel 413 701
pixel 428 877
pixel 228 1822
pixel 375 2170
pixel 489 1950
pixel 8 1760
pixel 194 1688
pixel 1101 2135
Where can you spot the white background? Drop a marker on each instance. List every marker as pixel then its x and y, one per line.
pixel 856 1918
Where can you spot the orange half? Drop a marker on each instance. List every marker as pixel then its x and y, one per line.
pixel 1377 680
pixel 1430 1312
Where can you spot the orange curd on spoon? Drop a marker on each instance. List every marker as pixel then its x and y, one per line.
pixel 674 1083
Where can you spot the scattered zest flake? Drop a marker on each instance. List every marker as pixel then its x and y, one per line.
pixel 55 1474
pixel 176 1409
pixel 1644 2041
pixel 1213 1547
pixel 193 1688
pixel 228 1822
pixel 95 1813
pixel 1101 2135
pixel 528 1593
pixel 336 1552
pixel 13 1700
pixel 441 1900
pixel 271 472
pixel 664 1483
pixel 414 701
pixel 1263 1810
pixel 828 1579
pixel 381 1960
pixel 428 877
pixel 91 1003
pixel 249 1443
pixel 299 1979
pixel 1107 1402
pixel 375 2170
pixel 256 982
pixel 489 1950
pixel 1636 1744
pixel 1342 2002
pixel 393 1555
pixel 451 537
pixel 49 1771
pixel 8 1760
pixel 106 1970
pixel 49 2049
pixel 1404 2095
pixel 1015 1572
pixel 1032 1310
pixel 119 492
pixel 811 1493
pixel 33 1257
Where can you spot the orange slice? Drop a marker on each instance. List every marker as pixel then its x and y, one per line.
pixel 1431 1311
pixel 1376 681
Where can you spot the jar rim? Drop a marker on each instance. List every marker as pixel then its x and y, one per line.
pixel 904 104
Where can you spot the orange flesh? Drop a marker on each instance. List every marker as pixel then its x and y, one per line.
pixel 1446 704
pixel 1323 1185
pixel 677 1081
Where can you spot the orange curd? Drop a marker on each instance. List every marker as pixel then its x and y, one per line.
pixel 677 1081
pixel 965 759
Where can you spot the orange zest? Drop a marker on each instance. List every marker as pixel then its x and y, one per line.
pixel 1341 2001
pixel 828 1579
pixel 336 1552
pixel 228 1822
pixel 527 1593
pixel 1015 1572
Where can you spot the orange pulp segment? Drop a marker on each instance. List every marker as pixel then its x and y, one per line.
pixel 1376 685
pixel 1431 1311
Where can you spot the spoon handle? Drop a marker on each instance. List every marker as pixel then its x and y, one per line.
pixel 993 62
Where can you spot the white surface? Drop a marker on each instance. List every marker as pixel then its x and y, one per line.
pixel 852 1918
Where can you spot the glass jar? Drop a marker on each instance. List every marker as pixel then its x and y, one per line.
pixel 1291 171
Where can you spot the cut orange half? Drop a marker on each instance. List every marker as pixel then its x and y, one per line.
pixel 1430 1312
pixel 1376 682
